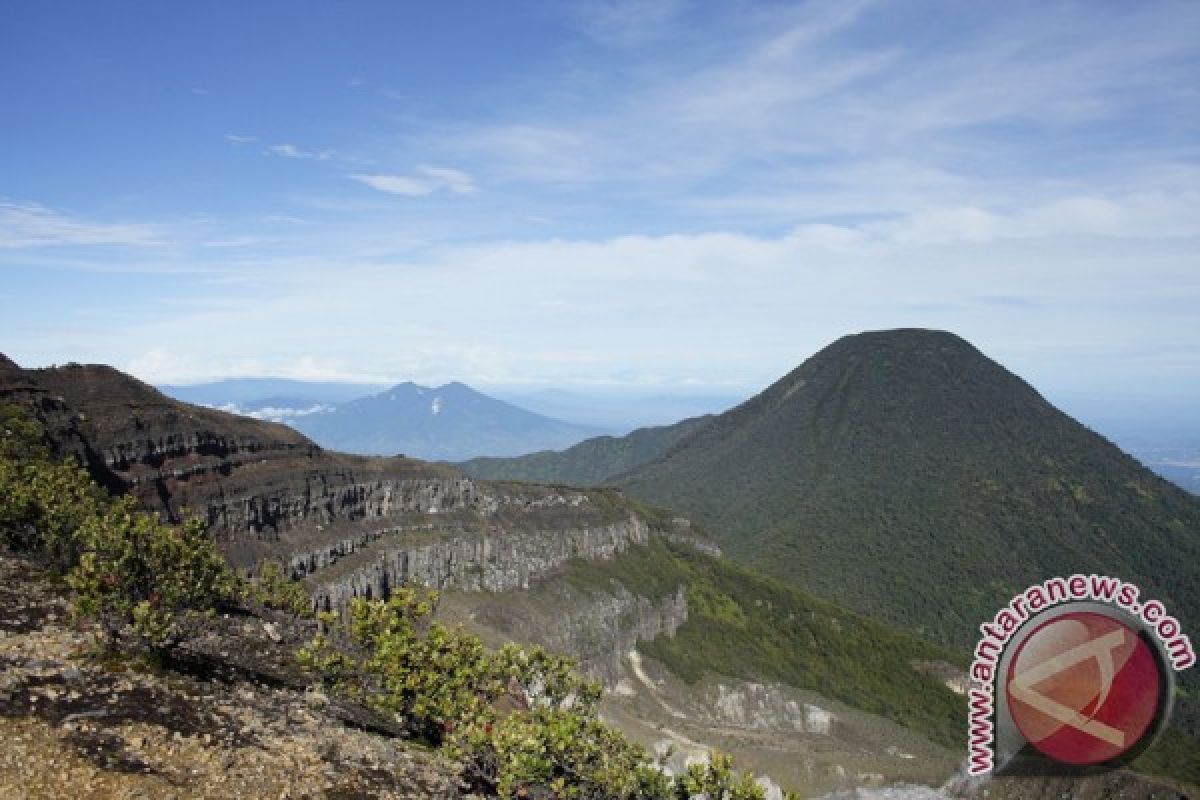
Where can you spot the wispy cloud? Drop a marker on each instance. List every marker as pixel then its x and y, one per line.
pixel 734 188
pixel 292 151
pixel 756 305
pixel 284 219
pixel 26 225
pixel 396 184
pixel 454 180
pixel 426 181
pixel 1146 216
pixel 235 242
pixel 627 22
pixel 160 364
pixel 812 88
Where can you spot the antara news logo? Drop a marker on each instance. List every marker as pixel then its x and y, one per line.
pixel 1075 673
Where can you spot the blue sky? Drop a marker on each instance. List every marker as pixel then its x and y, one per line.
pixel 663 195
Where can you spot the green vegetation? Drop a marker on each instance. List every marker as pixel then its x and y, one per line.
pixel 274 589
pixel 746 626
pixel 127 569
pixel 134 569
pixel 589 463
pixel 517 718
pixel 43 503
pixel 907 476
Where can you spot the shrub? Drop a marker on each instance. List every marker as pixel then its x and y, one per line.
pixel 125 566
pixel 717 779
pixel 570 752
pixel 517 718
pixel 274 589
pixel 135 570
pixel 42 503
pixel 411 666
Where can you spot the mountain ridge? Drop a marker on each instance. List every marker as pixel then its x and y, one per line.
pixel 450 422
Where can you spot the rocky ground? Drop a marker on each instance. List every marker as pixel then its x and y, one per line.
pixel 229 720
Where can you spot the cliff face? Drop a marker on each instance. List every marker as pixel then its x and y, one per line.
pixel 495 561
pixel 599 626
pixel 352 526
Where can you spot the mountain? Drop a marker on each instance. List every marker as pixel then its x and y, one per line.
pixel 447 423
pixel 906 475
pixel 588 463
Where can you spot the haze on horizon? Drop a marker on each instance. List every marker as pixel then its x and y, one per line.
pixel 648 196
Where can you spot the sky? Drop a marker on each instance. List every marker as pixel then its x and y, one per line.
pixel 657 195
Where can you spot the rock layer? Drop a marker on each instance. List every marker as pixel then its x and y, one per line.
pixel 351 525
pixel 496 561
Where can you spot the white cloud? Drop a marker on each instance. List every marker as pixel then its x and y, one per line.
pixel 234 242
pixel 396 184
pixel 1139 216
pixel 454 180
pixel 999 100
pixel 428 180
pixel 284 219
pixel 292 151
pixel 183 365
pixel 25 225
pixel 154 366
pixel 274 413
pixel 237 139
pixel 1036 290
pixel 288 151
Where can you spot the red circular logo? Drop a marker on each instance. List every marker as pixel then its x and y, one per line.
pixel 1084 688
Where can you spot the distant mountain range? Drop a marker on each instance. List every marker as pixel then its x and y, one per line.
pixel 444 423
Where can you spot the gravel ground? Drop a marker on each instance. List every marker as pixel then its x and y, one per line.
pixel 78 726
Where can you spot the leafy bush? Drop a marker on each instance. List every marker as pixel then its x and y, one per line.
pixel 408 665
pixel 568 751
pixel 125 566
pixel 716 779
pixel 274 589
pixel 517 718
pixel 134 569
pixel 42 503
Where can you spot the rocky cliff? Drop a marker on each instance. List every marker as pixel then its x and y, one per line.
pixel 351 526
pixel 498 560
pixel 599 627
